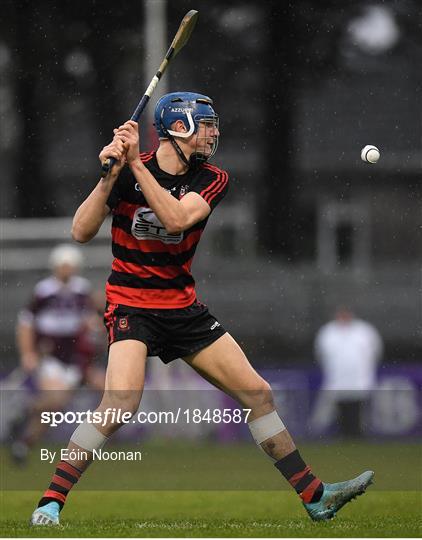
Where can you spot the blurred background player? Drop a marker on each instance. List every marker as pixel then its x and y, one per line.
pixel 57 342
pixel 92 343
pixel 348 351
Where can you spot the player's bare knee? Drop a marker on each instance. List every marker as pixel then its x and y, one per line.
pixel 260 398
pixel 125 402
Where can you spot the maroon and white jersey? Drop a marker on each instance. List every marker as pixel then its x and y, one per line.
pixel 58 313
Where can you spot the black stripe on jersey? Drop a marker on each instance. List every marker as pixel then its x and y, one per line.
pixel 152 258
pixel 125 223
pixel 124 279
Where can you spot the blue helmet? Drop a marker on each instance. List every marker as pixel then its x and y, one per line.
pixel 189 107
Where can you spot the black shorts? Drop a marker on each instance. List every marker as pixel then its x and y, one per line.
pixel 167 333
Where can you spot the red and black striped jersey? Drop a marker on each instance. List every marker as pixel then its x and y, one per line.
pixel 152 268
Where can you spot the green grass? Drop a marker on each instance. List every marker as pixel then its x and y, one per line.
pixel 213 514
pixel 213 466
pixel 183 504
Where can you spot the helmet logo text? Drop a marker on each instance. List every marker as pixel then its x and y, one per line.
pixel 180 109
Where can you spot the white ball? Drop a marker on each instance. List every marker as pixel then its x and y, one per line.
pixel 370 154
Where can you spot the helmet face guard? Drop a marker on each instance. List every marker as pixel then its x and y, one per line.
pixel 206 144
pixel 193 110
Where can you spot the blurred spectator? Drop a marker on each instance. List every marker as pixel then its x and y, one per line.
pixel 57 338
pixel 92 343
pixel 348 351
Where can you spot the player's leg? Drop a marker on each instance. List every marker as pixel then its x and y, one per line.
pixel 95 377
pixel 224 364
pixel 123 390
pixel 55 383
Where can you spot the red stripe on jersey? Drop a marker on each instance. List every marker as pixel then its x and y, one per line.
pixel 146 156
pixel 206 194
pixel 127 209
pixel 218 189
pixel 212 167
pixel 215 189
pixel 151 298
pixel 210 192
pixel 128 241
pixel 222 177
pixel 166 272
pixel 211 186
pixel 215 170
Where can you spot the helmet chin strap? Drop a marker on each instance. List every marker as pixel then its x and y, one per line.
pixel 195 159
pixel 175 146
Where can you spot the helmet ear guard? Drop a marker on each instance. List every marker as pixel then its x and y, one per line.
pixel 184 135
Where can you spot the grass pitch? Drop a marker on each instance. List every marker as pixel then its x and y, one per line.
pixel 213 514
pixel 386 510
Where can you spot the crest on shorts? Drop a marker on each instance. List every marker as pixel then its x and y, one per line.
pixel 123 323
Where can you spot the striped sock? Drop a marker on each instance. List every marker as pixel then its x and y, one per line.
pixel 64 478
pixel 300 477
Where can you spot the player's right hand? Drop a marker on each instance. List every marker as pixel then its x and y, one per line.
pixel 114 150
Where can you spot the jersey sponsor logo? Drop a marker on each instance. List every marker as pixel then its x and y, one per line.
pixel 146 226
pixel 215 325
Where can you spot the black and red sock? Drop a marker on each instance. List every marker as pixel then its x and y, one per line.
pixel 64 478
pixel 299 475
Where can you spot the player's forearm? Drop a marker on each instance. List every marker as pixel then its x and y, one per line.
pixel 28 353
pixel 25 339
pixel 166 207
pixel 90 215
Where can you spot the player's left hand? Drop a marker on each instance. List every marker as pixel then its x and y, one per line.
pixel 128 133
